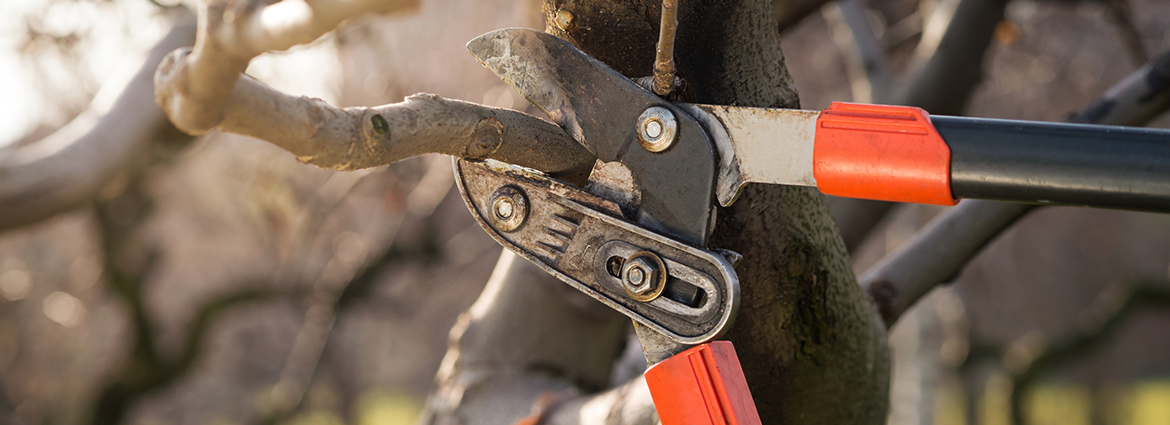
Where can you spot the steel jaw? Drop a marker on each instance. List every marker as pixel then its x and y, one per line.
pixel 578 237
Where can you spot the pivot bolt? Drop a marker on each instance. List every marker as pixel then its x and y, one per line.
pixel 644 276
pixel 509 208
pixel 657 129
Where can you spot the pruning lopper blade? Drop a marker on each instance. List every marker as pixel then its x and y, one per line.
pixel 878 152
pixel 635 239
pixel 601 109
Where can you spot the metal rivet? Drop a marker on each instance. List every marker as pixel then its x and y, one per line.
pixel 644 276
pixel 657 129
pixel 504 208
pixel 654 129
pixel 509 208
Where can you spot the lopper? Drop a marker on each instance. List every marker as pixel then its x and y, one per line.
pixel 635 236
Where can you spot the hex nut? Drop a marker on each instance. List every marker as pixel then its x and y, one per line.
pixel 643 276
pixel 508 209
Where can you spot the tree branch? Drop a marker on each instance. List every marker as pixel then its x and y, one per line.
pixel 1136 100
pixel 791 12
pixel 354 138
pixel 865 56
pixel 947 66
pixel 936 254
pixel 947 243
pixel 948 63
pixel 1120 13
pixel 200 89
pixel 193 86
pixel 67 168
pixel 528 335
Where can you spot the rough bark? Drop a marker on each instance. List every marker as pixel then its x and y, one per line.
pixel 812 347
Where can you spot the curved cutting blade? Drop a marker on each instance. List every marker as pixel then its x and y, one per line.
pixel 599 107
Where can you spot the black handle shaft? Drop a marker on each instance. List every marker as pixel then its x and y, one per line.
pixel 1056 163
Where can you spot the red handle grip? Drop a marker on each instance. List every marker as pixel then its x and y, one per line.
pixel 885 153
pixel 702 386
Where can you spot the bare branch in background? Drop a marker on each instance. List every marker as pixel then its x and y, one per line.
pixel 517 344
pixel 1131 39
pixel 946 67
pixel 328 301
pixel 1136 100
pixel 129 263
pixel 791 12
pixel 865 56
pixel 936 254
pixel 201 90
pixel 68 168
pixel 941 249
pixel 948 63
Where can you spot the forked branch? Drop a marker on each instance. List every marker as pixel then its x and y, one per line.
pixel 201 89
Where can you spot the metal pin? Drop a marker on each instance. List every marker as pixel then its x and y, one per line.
pixel 657 129
pixel 509 208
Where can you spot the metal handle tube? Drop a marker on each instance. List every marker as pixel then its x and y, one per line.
pixel 1059 164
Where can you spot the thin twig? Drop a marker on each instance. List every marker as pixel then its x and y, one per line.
pixel 664 60
pixel 865 56
pixel 328 302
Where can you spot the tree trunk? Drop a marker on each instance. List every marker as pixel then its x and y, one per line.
pixel 811 345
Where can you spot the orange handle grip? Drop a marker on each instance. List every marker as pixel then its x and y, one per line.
pixel 885 153
pixel 702 386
